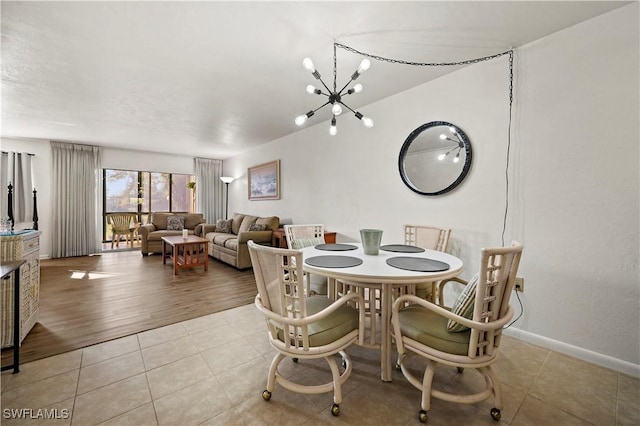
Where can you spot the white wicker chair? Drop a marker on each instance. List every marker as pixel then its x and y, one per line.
pixel 300 236
pixel 303 327
pixel 427 237
pixel 421 328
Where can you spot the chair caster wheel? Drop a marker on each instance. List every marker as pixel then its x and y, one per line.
pixel 398 366
pixel 266 395
pixel 295 360
pixel 422 416
pixel 335 410
pixel 495 414
pixel 460 369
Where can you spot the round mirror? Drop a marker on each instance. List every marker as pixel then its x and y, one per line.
pixel 435 158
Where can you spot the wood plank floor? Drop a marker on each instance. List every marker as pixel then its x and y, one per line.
pixel 88 300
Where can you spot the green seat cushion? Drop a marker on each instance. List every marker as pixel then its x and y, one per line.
pixel 430 329
pixel 338 324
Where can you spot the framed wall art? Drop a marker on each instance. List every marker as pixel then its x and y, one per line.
pixel 264 181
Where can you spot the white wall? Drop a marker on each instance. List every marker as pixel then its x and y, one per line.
pixel 574 180
pixel 110 158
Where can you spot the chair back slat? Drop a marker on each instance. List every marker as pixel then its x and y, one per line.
pixel 280 282
pixel 302 232
pixel 428 237
pixel 498 268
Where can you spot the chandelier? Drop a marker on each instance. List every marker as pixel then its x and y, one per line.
pixel 335 97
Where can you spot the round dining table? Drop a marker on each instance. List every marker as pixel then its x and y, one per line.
pixel 348 265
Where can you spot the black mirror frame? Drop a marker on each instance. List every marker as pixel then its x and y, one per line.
pixel 413 135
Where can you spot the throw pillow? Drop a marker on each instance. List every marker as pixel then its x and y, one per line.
pixel 224 226
pixel 175 223
pixel 257 227
pixel 464 306
pixel 299 243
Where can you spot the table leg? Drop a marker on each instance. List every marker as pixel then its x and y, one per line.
pixel 385 343
pixel 164 252
pixel 176 255
pixel 206 256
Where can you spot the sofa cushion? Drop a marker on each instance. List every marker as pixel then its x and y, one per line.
pixel 231 244
pixel 237 221
pixel 224 226
pixel 193 219
pixel 159 220
pixel 246 223
pixel 256 227
pixel 175 223
pixel 221 239
pixel 272 222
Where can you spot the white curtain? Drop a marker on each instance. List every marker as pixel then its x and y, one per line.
pixel 16 169
pixel 75 195
pixel 209 190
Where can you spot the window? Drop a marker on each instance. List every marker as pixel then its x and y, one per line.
pixel 143 193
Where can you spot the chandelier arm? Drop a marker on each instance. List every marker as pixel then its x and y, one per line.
pixel 345 86
pixel 348 107
pixel 323 105
pixel 325 86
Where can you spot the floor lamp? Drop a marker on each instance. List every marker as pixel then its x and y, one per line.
pixel 227 180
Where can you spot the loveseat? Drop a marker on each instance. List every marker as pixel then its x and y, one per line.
pixel 151 234
pixel 228 239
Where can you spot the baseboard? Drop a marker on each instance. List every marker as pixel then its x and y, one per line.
pixel 596 358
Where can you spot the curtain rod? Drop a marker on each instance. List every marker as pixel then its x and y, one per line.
pixel 28 153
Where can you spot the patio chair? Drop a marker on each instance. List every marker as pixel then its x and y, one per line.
pixel 122 224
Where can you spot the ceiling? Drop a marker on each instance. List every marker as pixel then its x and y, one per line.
pixel 213 79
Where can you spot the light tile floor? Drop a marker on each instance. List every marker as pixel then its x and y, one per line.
pixel 212 370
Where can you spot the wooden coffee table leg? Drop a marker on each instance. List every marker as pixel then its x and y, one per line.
pixel 164 252
pixel 176 255
pixel 206 256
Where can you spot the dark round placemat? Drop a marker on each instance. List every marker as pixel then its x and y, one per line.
pixel 333 261
pixel 336 247
pixel 402 248
pixel 418 264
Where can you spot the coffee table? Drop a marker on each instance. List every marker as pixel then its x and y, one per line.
pixel 186 252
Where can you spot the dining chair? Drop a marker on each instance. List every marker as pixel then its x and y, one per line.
pixel 427 237
pixel 465 336
pixel 301 236
pixel 303 327
pixel 122 224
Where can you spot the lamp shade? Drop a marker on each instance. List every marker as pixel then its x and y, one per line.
pixel 227 179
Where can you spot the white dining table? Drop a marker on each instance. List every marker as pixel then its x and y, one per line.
pixel 376 275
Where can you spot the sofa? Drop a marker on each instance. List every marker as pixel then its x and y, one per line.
pixel 151 234
pixel 228 238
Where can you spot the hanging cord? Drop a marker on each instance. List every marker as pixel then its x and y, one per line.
pixel 465 62
pixel 506 170
pixel 422 64
pixel 521 310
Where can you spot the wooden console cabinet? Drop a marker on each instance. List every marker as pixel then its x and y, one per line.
pixel 23 245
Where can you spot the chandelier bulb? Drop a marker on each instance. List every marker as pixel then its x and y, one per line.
pixel 301 119
pixel 357 88
pixel 457 157
pixel 311 89
pixel 336 109
pixel 441 156
pixel 333 130
pixel 368 122
pixel 364 65
pixel 307 63
pixel 443 137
